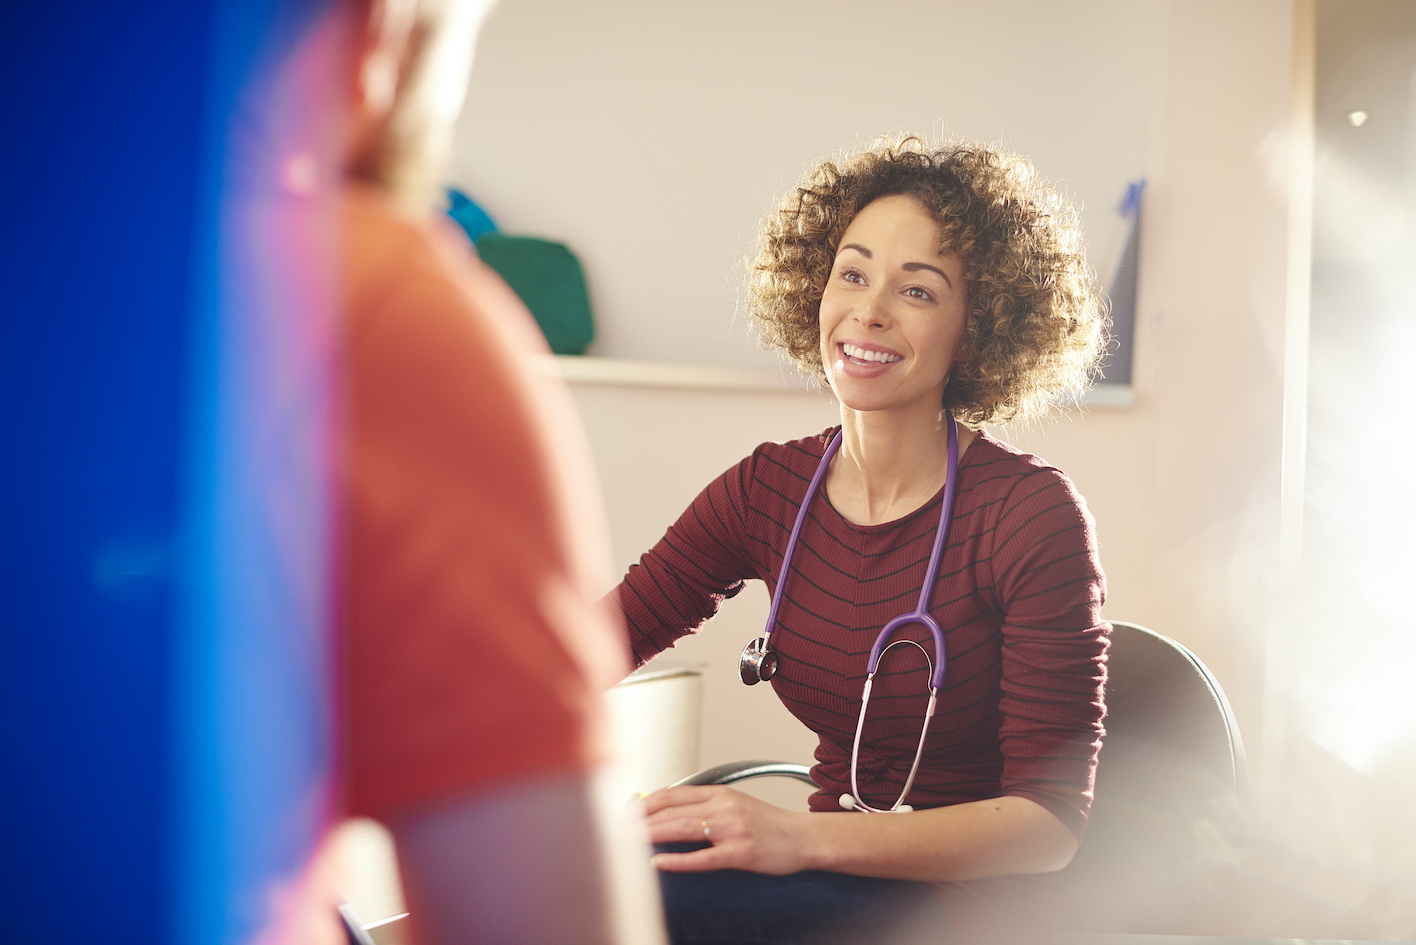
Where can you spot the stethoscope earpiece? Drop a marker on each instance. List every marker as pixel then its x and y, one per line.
pixel 849 803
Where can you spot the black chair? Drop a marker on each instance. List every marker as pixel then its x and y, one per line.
pixel 1171 791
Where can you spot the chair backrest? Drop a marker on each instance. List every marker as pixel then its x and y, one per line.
pixel 1171 788
pixel 1158 692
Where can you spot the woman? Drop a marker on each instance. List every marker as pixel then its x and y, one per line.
pixel 922 285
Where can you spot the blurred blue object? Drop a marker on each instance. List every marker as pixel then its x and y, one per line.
pixel 166 741
pixel 104 118
pixel 471 217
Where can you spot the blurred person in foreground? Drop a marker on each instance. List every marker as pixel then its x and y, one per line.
pixel 473 663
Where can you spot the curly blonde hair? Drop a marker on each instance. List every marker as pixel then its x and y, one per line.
pixel 1036 321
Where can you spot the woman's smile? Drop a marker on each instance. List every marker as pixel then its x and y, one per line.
pixel 863 359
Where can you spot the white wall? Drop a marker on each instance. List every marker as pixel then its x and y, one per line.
pixel 652 136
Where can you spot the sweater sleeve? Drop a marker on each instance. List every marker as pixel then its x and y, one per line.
pixel 1047 574
pixel 701 560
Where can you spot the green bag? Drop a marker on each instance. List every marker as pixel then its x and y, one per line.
pixel 550 281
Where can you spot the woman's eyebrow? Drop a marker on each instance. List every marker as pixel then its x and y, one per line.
pixel 916 266
pixel 858 248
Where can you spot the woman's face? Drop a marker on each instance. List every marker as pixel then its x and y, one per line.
pixel 893 310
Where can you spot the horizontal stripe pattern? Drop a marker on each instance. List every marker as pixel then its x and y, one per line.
pixel 1018 595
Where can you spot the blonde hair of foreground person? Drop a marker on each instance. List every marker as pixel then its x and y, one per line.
pixel 410 84
pixel 530 859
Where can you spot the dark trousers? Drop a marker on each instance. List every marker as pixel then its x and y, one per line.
pixel 807 908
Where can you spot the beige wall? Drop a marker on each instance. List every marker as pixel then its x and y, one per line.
pixel 654 120
pixel 1185 485
pixel 651 136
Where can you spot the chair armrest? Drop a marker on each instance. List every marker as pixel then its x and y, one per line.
pixel 735 771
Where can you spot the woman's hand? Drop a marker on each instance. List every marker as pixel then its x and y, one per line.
pixel 973 840
pixel 745 833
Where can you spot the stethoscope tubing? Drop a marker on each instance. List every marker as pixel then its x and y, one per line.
pixel 858 802
pixel 919 615
pixel 816 478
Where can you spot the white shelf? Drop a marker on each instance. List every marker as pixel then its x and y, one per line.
pixel 669 375
pixel 666 375
pixel 1110 397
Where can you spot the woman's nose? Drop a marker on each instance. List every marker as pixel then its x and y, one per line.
pixel 872 312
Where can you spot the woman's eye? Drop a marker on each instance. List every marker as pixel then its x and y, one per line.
pixel 915 292
pixel 851 275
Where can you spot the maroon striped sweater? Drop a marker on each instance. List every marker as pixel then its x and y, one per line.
pixel 1018 596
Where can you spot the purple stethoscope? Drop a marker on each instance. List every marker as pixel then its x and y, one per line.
pixel 759 662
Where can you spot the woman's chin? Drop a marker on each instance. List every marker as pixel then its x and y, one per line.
pixel 863 401
pixel 874 397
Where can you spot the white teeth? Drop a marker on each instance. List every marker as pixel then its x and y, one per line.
pixel 861 354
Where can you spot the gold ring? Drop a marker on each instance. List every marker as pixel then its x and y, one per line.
pixel 707 834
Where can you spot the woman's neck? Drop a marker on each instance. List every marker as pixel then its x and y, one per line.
pixel 891 462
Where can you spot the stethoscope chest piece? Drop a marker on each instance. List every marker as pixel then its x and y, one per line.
pixel 757 663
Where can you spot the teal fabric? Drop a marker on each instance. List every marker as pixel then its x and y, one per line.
pixel 471 217
pixel 549 280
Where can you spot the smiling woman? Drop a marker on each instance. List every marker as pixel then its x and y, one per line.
pixel 890 321
pixel 924 286
pixel 1035 323
pixel 891 281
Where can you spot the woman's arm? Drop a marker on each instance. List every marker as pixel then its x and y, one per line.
pixel 702 559
pixel 1047 576
pixel 994 837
